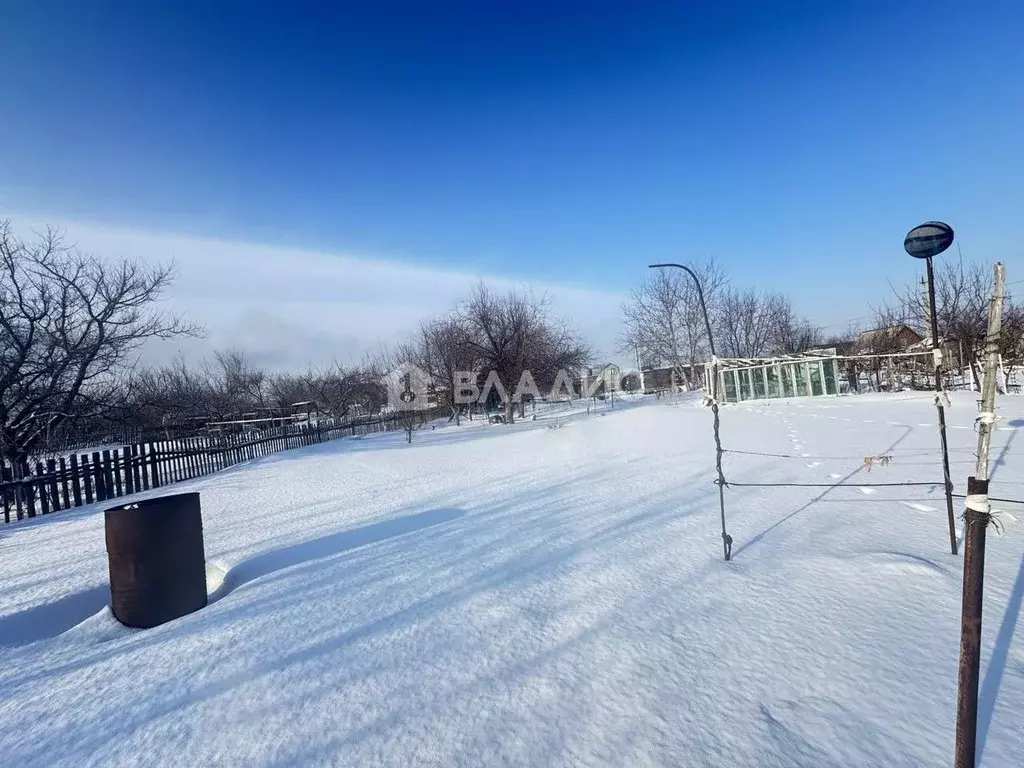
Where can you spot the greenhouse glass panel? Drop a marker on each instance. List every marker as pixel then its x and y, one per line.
pixel 799 379
pixel 729 386
pixel 830 377
pixel 787 380
pixel 744 385
pixel 773 381
pixel 758 376
pixel 815 374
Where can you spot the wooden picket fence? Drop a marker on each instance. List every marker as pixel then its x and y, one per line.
pixel 70 481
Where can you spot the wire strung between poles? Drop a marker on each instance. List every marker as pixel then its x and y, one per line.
pixel 992 498
pixel 730 484
pixel 829 485
pixel 827 458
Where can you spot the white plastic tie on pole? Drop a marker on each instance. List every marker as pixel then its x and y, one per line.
pixel 937 357
pixel 942 400
pixel 978 502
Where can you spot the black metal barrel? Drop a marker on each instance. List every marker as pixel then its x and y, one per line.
pixel 156 558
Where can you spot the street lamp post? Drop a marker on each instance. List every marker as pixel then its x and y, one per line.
pixel 923 242
pixel 726 538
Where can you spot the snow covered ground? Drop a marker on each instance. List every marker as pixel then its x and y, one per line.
pixel 531 596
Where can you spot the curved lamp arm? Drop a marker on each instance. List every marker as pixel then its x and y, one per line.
pixel 726 538
pixel 700 294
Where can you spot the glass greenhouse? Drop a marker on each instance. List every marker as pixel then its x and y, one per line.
pixel 804 376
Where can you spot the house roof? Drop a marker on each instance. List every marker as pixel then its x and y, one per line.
pixel 895 328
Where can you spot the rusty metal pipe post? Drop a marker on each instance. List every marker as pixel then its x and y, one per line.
pixel 976 524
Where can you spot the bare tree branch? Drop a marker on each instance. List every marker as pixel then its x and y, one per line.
pixel 70 325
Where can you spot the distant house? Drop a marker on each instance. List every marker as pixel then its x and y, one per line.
pixel 660 379
pixel 891 338
pixel 896 357
pixel 667 377
pixel 597 382
pixel 844 346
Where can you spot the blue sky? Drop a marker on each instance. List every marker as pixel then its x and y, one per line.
pixel 562 144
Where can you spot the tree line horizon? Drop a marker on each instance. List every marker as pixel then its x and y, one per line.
pixel 72 326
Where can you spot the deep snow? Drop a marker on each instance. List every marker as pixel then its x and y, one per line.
pixel 531 596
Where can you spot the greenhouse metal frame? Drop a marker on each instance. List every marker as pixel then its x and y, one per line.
pixel 817 373
pixel 807 375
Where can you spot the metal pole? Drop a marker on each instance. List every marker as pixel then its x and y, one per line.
pixel 975 528
pixel 976 521
pixel 726 538
pixel 937 356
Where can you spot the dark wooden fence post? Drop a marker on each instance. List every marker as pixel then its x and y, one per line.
pixel 43 482
pixel 64 486
pixel 29 490
pixel 160 457
pixel 168 461
pixel 129 479
pixel 181 448
pixel 97 471
pixel 116 469
pixel 76 474
pixel 54 490
pixel 154 466
pixel 5 478
pixel 193 457
pixel 87 478
pixel 133 452
pixel 108 476
pixel 44 501
pixel 179 461
pixel 184 448
pixel 19 494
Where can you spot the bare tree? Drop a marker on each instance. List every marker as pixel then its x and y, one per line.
pixel 442 348
pixel 70 326
pixel 794 334
pixel 230 387
pixel 886 338
pixel 554 347
pixel 962 293
pixel 749 322
pixel 663 320
pixel 284 389
pixel 171 394
pixel 342 390
pixel 515 334
pixel 1011 342
pixel 237 386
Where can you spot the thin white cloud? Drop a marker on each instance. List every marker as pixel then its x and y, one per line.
pixel 288 307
